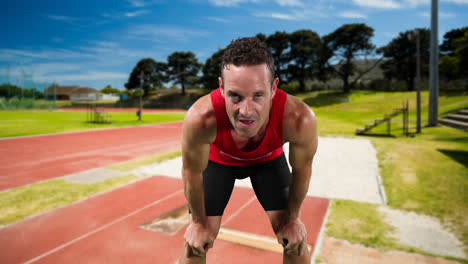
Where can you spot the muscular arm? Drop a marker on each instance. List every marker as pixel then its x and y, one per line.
pixel 301 132
pixel 197 134
pixel 198 131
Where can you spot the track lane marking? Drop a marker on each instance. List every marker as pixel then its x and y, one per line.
pixel 120 219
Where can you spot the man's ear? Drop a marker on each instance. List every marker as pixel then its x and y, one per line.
pixel 220 80
pixel 274 87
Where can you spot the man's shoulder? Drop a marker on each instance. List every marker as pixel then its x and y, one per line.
pixel 200 119
pixel 299 119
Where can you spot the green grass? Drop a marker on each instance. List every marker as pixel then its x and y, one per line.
pixel 427 174
pixel 33 122
pixel 136 163
pixel 340 114
pixel 364 224
pixel 360 223
pixel 21 202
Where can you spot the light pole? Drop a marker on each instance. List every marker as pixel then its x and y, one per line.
pixel 418 83
pixel 434 66
pixel 141 91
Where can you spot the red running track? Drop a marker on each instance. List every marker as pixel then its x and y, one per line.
pixel 126 110
pixel 27 160
pixel 106 228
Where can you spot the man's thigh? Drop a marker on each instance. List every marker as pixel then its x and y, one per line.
pixel 271 182
pixel 218 183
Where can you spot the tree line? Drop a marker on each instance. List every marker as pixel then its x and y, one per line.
pixel 303 55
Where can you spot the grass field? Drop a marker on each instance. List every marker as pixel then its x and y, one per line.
pixel 427 174
pixel 33 122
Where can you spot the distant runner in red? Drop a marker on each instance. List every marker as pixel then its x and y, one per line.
pixel 238 131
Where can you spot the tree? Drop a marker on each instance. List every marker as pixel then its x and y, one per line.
pixel 212 70
pixel 304 52
pixel 453 65
pixel 278 43
pixel 9 90
pixel 261 37
pixel 449 44
pixel 153 73
pixel 347 43
pixel 183 68
pixel 324 70
pixel 109 90
pixel 400 56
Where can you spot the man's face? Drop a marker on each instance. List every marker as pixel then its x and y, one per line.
pixel 248 94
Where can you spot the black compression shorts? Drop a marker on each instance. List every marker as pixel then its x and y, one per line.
pixel 270 181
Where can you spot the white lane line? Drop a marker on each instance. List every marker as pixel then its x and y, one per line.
pixel 102 228
pixel 319 241
pixel 238 211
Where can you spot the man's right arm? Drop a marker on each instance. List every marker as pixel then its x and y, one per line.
pixel 198 131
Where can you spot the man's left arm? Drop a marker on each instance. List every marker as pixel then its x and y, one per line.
pixel 302 136
pixel 302 148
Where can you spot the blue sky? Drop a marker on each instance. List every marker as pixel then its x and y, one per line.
pixel 96 43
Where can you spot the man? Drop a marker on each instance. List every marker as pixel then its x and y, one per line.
pixel 238 131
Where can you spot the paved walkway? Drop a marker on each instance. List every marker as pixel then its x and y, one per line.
pixel 336 251
pixel 354 177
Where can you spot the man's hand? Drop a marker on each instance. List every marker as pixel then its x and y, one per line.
pixel 198 239
pixel 292 235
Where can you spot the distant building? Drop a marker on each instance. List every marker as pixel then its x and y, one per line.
pixel 78 93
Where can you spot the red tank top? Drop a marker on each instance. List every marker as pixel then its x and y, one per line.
pixel 225 151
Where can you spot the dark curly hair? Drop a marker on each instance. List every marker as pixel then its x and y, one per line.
pixel 248 51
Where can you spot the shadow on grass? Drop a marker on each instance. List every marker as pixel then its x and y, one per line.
pixel 325 99
pixel 459 156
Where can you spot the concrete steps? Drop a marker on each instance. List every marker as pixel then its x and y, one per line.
pixel 458 120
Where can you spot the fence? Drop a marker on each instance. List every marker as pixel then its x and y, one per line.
pixel 19 90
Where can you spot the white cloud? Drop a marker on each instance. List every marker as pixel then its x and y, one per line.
pixel 282 16
pixel 230 2
pixel 140 3
pixel 136 13
pixel 381 4
pixel 461 2
pixel 276 16
pixel 80 22
pixel 19 55
pixel 302 14
pixel 57 39
pixel 441 15
pixel 158 33
pixel 63 18
pixel 415 3
pixel 351 14
pixel 289 2
pixel 218 19
pixel 90 76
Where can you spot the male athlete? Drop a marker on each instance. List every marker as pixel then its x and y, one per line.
pixel 238 131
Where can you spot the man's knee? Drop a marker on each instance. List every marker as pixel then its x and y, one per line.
pixel 277 219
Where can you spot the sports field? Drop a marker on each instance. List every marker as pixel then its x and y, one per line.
pixel 108 225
